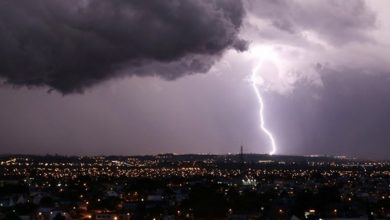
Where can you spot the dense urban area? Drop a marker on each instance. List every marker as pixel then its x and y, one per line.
pixel 201 186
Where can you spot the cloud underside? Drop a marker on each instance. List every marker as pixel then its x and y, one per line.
pixel 70 45
pixel 309 36
pixel 335 21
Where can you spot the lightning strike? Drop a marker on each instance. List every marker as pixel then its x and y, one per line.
pixel 261 113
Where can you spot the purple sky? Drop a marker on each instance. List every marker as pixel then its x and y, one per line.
pixel 146 77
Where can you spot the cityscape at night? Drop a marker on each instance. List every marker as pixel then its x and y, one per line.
pixel 169 186
pixel 194 109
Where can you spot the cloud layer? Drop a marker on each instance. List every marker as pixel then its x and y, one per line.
pixel 337 22
pixel 310 36
pixel 69 45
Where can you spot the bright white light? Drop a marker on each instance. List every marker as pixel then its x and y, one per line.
pixel 270 55
pixel 262 124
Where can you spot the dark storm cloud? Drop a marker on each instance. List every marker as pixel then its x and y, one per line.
pixel 69 45
pixel 337 21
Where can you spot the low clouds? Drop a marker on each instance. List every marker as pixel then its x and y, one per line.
pixel 338 22
pixel 335 34
pixel 70 45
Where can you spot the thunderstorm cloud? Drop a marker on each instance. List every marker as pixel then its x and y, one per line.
pixel 324 67
pixel 336 22
pixel 70 45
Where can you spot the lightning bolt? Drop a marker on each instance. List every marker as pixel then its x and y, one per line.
pixel 261 113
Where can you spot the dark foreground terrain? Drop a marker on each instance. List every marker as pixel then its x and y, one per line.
pixel 193 187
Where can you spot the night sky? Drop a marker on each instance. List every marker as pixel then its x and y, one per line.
pixel 124 77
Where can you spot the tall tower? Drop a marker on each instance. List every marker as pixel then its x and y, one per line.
pixel 242 158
